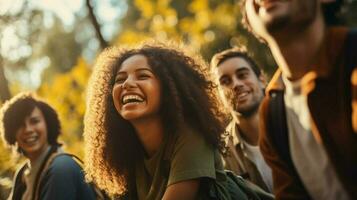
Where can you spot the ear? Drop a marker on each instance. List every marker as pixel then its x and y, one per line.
pixel 263 80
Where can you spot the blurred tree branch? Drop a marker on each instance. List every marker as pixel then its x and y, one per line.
pixel 96 25
pixel 4 85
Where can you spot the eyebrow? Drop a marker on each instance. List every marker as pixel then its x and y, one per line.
pixel 242 69
pixel 137 70
pixel 34 117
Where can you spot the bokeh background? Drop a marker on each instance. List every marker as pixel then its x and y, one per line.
pixel 49 46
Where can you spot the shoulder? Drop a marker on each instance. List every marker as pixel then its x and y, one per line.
pixel 64 164
pixel 192 157
pixel 20 170
pixel 18 185
pixel 188 135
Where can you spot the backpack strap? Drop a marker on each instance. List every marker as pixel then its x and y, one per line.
pixel 351 51
pixel 278 132
pixel 350 59
pixel 19 186
pixel 36 189
pixel 50 157
pixel 100 195
pixel 277 126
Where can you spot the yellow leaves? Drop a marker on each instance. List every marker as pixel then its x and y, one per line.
pixel 131 37
pixel 149 8
pixel 146 7
pixel 66 93
pixel 163 7
pixel 203 19
pixel 5 158
pixel 224 17
pixel 198 5
pixel 157 15
pixel 160 20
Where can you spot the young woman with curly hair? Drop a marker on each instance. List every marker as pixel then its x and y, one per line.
pixel 31 127
pixel 153 124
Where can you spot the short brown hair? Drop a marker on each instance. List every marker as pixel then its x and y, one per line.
pixel 220 57
pixel 15 110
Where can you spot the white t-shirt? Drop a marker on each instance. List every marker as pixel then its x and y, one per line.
pixel 307 151
pixel 254 154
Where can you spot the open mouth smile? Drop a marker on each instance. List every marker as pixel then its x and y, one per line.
pixel 242 95
pixel 132 99
pixel 31 139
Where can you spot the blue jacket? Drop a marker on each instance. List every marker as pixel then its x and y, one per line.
pixel 61 178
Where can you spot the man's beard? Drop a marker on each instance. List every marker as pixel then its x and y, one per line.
pixel 286 22
pixel 248 111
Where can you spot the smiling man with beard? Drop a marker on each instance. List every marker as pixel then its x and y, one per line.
pixel 242 85
pixel 309 114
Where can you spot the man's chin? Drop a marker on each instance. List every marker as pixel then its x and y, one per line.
pixel 247 112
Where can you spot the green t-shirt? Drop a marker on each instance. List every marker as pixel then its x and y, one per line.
pixel 191 158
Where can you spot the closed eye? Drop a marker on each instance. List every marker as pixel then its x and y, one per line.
pixel 34 120
pixel 143 76
pixel 120 79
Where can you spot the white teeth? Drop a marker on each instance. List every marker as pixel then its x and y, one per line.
pixel 31 139
pixel 132 99
pixel 243 94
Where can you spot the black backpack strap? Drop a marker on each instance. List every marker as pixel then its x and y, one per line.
pixel 279 135
pixel 277 126
pixel 19 185
pixel 350 62
pixel 351 51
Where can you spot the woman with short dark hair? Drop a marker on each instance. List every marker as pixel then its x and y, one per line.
pixel 31 126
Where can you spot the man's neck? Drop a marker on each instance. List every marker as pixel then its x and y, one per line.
pixel 295 53
pixel 249 128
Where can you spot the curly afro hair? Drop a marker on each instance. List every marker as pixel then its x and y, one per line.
pixel 188 95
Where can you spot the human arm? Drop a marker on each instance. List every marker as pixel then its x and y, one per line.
pixel 193 159
pixel 182 190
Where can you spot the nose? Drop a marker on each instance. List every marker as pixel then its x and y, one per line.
pixel 236 84
pixel 128 83
pixel 28 128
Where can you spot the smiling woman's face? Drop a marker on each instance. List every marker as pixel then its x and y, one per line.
pixel 136 92
pixel 31 137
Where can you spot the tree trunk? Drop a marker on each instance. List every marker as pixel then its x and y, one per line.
pixel 93 19
pixel 4 85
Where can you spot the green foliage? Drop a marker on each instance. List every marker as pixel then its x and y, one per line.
pixel 207 26
pixel 66 93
